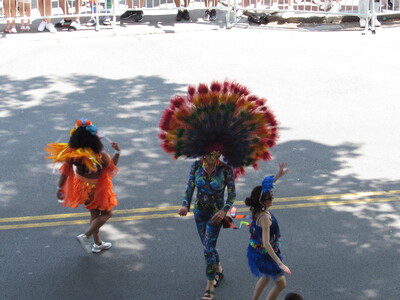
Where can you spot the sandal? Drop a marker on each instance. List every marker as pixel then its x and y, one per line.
pixel 7 29
pixel 208 295
pixel 218 278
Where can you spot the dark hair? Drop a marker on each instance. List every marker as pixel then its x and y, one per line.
pixel 293 296
pixel 82 138
pixel 255 202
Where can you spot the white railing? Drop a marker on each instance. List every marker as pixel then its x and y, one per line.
pixel 233 9
pixel 95 8
pixel 363 9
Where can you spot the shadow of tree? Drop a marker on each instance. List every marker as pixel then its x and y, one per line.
pixel 40 110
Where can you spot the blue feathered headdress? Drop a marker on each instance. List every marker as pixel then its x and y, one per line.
pixel 267 184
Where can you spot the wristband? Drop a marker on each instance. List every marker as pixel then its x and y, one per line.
pixel 117 152
pixel 59 188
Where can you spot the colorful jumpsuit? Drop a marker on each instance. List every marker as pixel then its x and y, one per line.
pixel 209 200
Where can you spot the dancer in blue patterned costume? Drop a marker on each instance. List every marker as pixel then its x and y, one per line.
pixel 210 176
pixel 223 118
pixel 263 253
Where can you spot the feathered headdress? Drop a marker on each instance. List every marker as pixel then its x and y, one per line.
pixel 267 184
pixel 221 117
pixel 85 123
pixel 61 152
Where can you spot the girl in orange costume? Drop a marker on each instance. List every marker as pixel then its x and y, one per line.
pixel 86 178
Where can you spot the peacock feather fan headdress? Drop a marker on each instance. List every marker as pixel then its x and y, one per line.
pixel 222 117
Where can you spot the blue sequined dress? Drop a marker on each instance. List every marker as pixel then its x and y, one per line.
pixel 260 262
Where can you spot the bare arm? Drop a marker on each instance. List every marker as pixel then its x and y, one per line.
pixel 282 171
pixel 189 191
pixel 115 158
pixel 265 224
pixel 61 182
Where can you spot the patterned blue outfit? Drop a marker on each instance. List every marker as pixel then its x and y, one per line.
pixel 209 200
pixel 260 262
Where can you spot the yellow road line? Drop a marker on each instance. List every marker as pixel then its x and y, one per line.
pixel 79 222
pixel 85 214
pixel 338 196
pixel 175 215
pixel 332 203
pixel 343 197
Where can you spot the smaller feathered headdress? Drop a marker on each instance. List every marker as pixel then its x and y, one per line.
pixel 85 123
pixel 266 185
pixel 61 152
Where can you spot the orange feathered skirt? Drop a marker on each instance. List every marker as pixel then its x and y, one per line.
pixel 93 193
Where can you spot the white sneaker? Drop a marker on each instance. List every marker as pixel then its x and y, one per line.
pixel 84 242
pixel 73 26
pixel 42 26
pixel 103 246
pixel 50 27
pixel 363 22
pixel 91 22
pixel 377 23
pixel 107 21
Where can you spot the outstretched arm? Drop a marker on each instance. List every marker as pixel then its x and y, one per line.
pixel 282 171
pixel 115 158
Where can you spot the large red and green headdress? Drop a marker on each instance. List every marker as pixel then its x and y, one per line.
pixel 224 117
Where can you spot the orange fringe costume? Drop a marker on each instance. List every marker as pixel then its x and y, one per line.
pixel 93 193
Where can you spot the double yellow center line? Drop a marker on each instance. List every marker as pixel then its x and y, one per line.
pixel 148 213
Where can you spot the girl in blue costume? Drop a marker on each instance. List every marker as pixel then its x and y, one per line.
pixel 263 253
pixel 210 176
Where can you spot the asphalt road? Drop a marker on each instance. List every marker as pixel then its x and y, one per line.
pixel 335 95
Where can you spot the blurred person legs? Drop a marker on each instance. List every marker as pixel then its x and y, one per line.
pixel 331 6
pixel 210 15
pixel 280 285
pixel 44 7
pixel 336 7
pixel 70 23
pixel 25 11
pixel 182 14
pixel 107 19
pixel 10 11
pixel 363 8
pixel 93 19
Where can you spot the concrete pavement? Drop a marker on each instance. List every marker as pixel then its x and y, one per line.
pixel 334 94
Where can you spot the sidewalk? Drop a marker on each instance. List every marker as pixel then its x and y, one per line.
pixel 163 22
